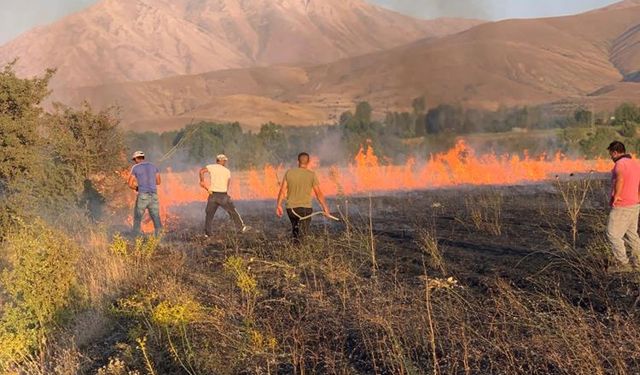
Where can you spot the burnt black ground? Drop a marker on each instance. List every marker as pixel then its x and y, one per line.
pixel 533 252
pixel 531 217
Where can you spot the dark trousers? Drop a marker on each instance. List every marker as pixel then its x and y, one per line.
pixel 221 200
pixel 300 228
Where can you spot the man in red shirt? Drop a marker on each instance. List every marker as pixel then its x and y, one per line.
pixel 625 208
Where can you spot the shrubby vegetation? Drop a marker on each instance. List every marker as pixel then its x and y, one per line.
pixel 53 167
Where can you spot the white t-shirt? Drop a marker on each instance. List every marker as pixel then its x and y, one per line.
pixel 220 176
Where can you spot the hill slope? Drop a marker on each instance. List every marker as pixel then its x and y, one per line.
pixel 506 63
pixel 141 40
pixel 577 59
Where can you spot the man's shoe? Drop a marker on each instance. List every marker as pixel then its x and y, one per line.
pixel 620 268
pixel 245 229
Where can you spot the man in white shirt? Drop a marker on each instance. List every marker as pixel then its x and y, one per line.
pixel 218 188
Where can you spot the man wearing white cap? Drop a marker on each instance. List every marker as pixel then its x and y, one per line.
pixel 218 188
pixel 144 179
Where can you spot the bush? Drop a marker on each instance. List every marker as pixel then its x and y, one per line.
pixel 39 282
pixel 596 144
pixel 629 129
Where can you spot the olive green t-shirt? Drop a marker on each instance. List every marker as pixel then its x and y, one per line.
pixel 300 184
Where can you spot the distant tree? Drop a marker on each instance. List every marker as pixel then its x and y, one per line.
pixel 402 124
pixel 444 118
pixel 626 112
pixel 419 105
pixel 595 145
pixel 629 129
pixel 363 112
pixel 206 140
pixel 274 141
pixel 583 117
pixel 345 117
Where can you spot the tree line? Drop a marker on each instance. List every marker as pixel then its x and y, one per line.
pixel 398 135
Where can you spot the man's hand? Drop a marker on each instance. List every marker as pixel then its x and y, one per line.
pixel 279 211
pixel 132 183
pixel 326 212
pixel 615 200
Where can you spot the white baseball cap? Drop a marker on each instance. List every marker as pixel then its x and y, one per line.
pixel 137 154
pixel 222 157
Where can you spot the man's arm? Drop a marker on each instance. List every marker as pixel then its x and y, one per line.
pixel 323 202
pixel 203 171
pixel 158 179
pixel 617 191
pixel 283 189
pixel 132 182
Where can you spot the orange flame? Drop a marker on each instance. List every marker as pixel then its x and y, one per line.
pixel 459 166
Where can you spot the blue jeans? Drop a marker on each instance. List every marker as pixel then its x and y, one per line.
pixel 147 201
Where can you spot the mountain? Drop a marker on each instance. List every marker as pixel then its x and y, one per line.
pixel 514 62
pixel 588 59
pixel 142 40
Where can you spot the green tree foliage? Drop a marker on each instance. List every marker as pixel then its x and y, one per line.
pixel 395 136
pixel 626 113
pixel 402 123
pixel 20 116
pixel 419 106
pixel 583 117
pixel 47 162
pixel 154 145
pixel 88 141
pixel 206 140
pixel 444 118
pixel 364 112
pixel 21 155
pixel 595 145
pixel 629 129
pixel 359 129
pixel 273 142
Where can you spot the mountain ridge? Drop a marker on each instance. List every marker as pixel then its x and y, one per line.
pixel 142 40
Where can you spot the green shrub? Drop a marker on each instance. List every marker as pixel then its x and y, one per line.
pixel 629 129
pixel 39 282
pixel 119 246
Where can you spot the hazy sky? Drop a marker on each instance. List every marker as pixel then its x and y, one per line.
pixel 17 16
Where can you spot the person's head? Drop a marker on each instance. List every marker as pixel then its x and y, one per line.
pixel 616 149
pixel 303 159
pixel 221 159
pixel 138 157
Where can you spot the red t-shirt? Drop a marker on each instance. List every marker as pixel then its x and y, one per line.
pixel 629 169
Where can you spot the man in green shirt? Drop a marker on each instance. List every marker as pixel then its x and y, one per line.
pixel 298 184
